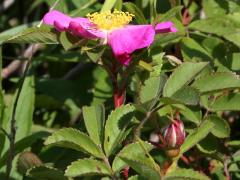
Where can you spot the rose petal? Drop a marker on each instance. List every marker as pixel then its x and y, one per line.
pixel 165 27
pixel 57 19
pixel 84 28
pixel 126 40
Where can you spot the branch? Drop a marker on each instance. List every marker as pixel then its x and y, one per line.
pixel 16 64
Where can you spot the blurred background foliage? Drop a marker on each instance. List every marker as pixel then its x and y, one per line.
pixel 63 77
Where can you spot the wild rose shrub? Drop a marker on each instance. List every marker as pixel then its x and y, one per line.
pixel 120 90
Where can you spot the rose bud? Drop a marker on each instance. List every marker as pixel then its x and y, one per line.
pixel 174 134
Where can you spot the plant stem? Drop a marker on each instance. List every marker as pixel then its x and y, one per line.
pixel 12 134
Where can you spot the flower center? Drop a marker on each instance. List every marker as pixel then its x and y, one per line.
pixel 110 20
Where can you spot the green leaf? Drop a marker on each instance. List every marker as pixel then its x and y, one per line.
pixel 95 53
pixel 197 135
pixel 24 143
pixel 136 155
pixel 191 49
pixel 108 5
pixel 187 95
pixel 226 26
pixel 168 15
pixel 192 114
pixel 69 41
pixel 234 143
pixel 185 174
pixel 208 145
pixel 116 126
pixel 136 177
pixel 221 128
pixel 132 8
pixel 43 34
pixel 151 90
pixel 74 139
pixel 94 119
pixel 214 8
pixel 87 167
pixel 230 102
pixel 24 110
pixel 182 76
pixel 5 35
pixel 45 172
pixel 217 82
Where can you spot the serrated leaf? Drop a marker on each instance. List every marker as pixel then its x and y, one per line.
pixel 87 167
pixel 132 8
pixel 197 135
pixel 43 34
pixel 192 114
pixel 208 145
pixel 5 35
pixel 24 144
pixel 215 82
pixel 151 90
pixel 185 174
pixel 230 102
pixel 74 139
pixel 94 119
pixel 168 15
pixel 116 126
pixel 226 26
pixel 136 155
pixel 135 150
pixel 221 128
pixel 136 177
pixel 181 76
pixel 45 172
pixel 191 49
pixel 187 95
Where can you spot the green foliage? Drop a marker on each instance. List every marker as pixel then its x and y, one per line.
pixel 137 156
pixel 44 35
pixel 72 138
pixel 185 174
pixel 45 172
pixel 182 76
pixel 116 128
pixel 94 119
pixel 87 167
pixel 211 83
pixel 67 98
pixel 197 135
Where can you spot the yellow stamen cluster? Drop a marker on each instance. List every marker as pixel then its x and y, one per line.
pixel 110 20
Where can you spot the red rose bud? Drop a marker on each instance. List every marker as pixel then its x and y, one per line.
pixel 174 134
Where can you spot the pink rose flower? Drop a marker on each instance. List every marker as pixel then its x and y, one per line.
pixel 111 28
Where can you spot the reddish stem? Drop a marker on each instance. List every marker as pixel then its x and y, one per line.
pixel 118 96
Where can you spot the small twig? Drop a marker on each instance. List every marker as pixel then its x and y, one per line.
pixel 75 70
pixel 16 64
pixel 5 132
pixel 228 176
pixel 13 124
pixel 137 132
